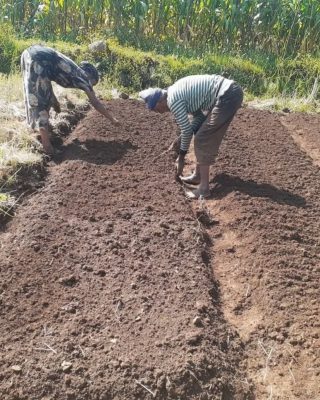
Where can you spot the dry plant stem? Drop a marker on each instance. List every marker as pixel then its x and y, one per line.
pixel 7 212
pixel 139 383
pixel 170 148
pixel 48 348
pixel 267 360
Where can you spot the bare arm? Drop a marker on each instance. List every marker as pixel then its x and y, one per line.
pixel 96 103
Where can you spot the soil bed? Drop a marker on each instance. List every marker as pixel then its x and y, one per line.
pixel 106 287
pixel 266 248
pixel 112 289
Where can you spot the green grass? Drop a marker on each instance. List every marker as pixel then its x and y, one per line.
pixel 191 28
pixel 17 144
pixel 18 147
pixel 258 72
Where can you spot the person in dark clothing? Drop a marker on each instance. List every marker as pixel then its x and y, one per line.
pixel 40 66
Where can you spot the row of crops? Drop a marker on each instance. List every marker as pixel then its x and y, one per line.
pixel 281 27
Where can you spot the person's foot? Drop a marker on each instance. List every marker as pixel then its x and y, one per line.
pixel 48 149
pixel 192 179
pixel 197 194
pixel 56 141
pixel 47 145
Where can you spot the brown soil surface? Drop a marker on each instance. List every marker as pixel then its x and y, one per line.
pixel 106 268
pixel 305 131
pixel 29 178
pixel 266 249
pixel 107 290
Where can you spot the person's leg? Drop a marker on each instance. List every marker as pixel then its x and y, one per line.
pixel 26 63
pixel 44 132
pixel 37 97
pixel 203 187
pixel 210 135
pixel 206 143
pixel 44 96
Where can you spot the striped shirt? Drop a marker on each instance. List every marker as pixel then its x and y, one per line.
pixel 193 95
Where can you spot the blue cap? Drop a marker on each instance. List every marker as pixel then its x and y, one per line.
pixel 151 96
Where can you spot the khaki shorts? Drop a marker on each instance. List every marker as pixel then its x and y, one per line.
pixel 209 136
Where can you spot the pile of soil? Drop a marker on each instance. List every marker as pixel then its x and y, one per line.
pixel 106 284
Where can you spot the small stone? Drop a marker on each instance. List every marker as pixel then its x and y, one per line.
pixel 193 338
pixel 164 225
pixel 115 363
pixel 201 306
pixel 16 368
pixel 197 321
pixel 125 364
pixel 231 249
pixel 66 366
pixel 280 338
pixel 98 46
pixel 68 281
pixel 67 381
pixel 293 341
pixel 101 273
pixel 161 382
pixel 123 96
pixel 71 307
pixel 36 247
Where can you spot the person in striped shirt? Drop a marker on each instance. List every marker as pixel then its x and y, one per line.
pixel 212 101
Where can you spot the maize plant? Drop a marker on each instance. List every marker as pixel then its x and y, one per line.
pixel 278 26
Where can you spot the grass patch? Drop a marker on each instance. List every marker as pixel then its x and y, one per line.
pixel 17 144
pixel 297 105
pixel 260 74
pixel 292 104
pixel 7 202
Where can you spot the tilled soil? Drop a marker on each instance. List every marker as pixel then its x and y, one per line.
pixel 112 289
pixel 106 284
pixel 266 248
pixel 305 131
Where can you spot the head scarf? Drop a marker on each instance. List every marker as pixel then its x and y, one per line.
pixel 151 96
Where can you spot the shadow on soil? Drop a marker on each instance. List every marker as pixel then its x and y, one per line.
pixel 27 181
pixel 226 184
pixel 95 151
